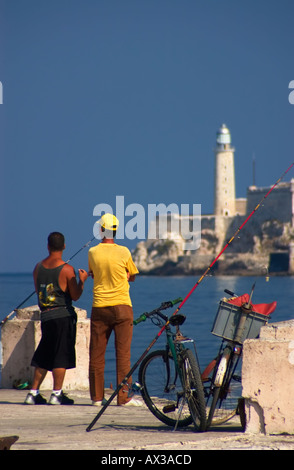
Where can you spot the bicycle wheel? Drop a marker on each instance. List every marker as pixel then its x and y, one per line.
pixel 193 388
pixel 224 392
pixel 162 390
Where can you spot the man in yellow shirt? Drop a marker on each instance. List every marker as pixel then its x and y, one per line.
pixel 112 268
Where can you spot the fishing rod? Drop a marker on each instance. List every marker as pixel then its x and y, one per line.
pixel 124 381
pixel 231 240
pixel 27 298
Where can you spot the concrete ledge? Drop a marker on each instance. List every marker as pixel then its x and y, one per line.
pixel 20 338
pixel 281 331
pixel 268 380
pixel 61 428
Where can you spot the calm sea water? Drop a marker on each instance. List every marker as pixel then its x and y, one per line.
pixel 148 292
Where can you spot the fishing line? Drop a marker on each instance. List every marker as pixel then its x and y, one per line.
pixel 218 256
pixel 230 241
pixel 27 298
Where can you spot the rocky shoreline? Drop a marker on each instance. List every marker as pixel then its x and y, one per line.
pixel 258 252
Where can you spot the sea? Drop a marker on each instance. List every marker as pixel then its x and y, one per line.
pixel 148 292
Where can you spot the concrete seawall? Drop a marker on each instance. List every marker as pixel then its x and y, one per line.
pixel 21 336
pixel 268 379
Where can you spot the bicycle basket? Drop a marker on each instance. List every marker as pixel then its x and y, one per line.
pixel 227 320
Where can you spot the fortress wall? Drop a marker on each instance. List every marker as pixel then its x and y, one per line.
pixel 279 204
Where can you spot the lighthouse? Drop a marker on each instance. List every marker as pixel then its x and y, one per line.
pixel 224 184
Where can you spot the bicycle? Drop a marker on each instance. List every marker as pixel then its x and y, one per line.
pixel 235 321
pixel 169 380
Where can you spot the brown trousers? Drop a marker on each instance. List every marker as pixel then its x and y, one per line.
pixel 104 320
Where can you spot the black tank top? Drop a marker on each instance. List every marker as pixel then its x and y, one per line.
pixel 50 295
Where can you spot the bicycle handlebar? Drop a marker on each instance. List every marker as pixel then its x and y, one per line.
pixel 163 306
pixel 227 291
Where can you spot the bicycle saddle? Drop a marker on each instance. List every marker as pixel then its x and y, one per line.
pixel 177 319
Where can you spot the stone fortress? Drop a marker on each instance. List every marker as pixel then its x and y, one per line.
pixel 264 245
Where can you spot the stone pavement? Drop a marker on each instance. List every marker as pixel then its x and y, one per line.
pixel 45 427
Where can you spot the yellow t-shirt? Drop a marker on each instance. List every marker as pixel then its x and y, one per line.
pixel 110 264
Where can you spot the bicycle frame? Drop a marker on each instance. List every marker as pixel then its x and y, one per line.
pixel 230 352
pixel 178 399
pixel 173 344
pixel 219 387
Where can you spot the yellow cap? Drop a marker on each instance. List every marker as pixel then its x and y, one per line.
pixel 109 222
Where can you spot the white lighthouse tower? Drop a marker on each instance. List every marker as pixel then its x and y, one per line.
pixel 224 185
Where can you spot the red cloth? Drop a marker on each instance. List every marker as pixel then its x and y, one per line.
pixel 263 309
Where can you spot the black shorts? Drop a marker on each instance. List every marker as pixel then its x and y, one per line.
pixel 57 346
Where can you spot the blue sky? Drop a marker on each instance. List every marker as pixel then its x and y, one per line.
pixel 124 97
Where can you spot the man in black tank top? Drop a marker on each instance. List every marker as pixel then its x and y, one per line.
pixel 56 287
